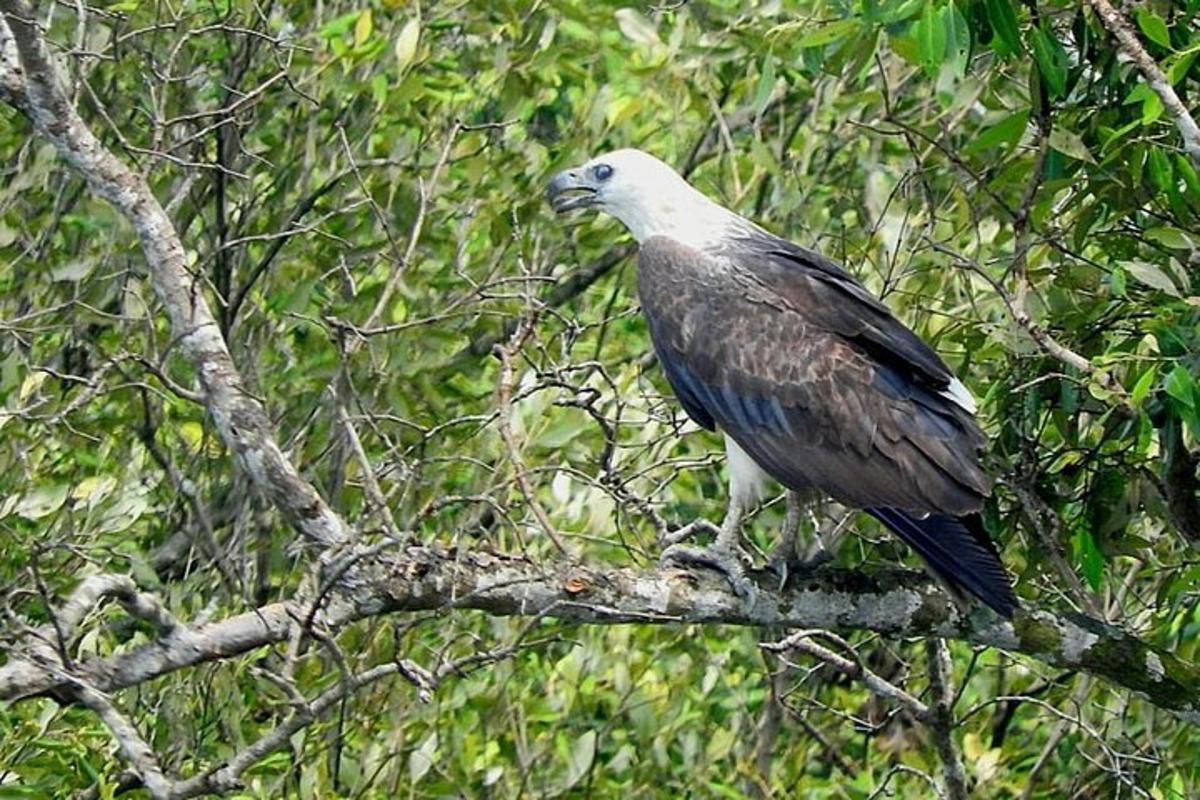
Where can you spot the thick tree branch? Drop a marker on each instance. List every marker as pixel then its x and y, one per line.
pixel 892 602
pixel 135 749
pixel 1127 42
pixel 239 417
pixel 12 79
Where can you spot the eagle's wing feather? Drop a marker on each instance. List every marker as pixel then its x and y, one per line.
pixel 821 387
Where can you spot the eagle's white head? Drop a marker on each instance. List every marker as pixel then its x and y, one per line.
pixel 646 195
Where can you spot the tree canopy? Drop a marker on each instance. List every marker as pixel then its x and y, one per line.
pixel 332 464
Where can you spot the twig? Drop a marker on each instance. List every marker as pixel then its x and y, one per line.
pixel 940 719
pixel 802 641
pixel 504 393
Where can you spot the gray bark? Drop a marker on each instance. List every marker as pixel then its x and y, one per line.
pixel 894 602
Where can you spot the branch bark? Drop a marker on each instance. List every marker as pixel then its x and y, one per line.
pixel 239 417
pixel 12 79
pixel 1129 46
pixel 941 718
pixel 892 602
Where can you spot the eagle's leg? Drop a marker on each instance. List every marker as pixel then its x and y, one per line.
pixel 746 481
pixel 724 554
pixel 787 552
pixel 786 557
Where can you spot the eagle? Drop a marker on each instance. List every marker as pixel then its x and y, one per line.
pixel 809 377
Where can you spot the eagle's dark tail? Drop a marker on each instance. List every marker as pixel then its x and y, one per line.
pixel 959 551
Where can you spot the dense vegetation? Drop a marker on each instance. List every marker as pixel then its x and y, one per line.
pixel 359 192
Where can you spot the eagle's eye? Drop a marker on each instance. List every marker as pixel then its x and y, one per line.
pixel 602 172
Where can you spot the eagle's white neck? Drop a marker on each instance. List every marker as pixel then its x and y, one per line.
pixel 679 212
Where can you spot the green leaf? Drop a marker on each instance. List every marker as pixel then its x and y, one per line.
pixel 1171 237
pixel 1152 108
pixel 1051 61
pixel 339 25
pixel 1070 144
pixel 1183 166
pixel 1154 27
pixel 930 34
pixel 1162 175
pixel 1145 383
pixel 1180 386
pixel 1004 134
pixel 1003 19
pixel 1091 560
pixel 1117 281
pixel 766 83
pixel 828 33
pixel 1178 66
pixel 1151 275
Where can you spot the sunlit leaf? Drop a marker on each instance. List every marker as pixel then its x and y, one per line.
pixel 405 47
pixel 1154 26
pixel 830 32
pixel 37 503
pixel 363 27
pixel 637 28
pixel 1069 143
pixel 1151 275
pixel 420 761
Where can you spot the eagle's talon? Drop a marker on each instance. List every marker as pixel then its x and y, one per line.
pixel 728 562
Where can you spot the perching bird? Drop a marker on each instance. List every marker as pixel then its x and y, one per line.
pixel 809 377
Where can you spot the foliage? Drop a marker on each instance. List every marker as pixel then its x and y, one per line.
pixel 359 186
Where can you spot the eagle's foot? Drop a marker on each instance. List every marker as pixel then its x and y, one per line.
pixel 728 561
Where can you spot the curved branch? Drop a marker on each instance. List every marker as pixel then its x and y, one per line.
pixel 894 602
pixel 239 416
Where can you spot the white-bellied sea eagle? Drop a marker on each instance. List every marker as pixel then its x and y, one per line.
pixel 810 378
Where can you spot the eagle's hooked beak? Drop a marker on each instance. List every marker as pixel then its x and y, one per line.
pixel 571 189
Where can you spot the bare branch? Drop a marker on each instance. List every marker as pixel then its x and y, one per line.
pixel 12 79
pixel 93 590
pixel 851 668
pixel 941 718
pixel 133 747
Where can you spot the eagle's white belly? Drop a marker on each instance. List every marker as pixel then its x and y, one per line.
pixel 747 480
